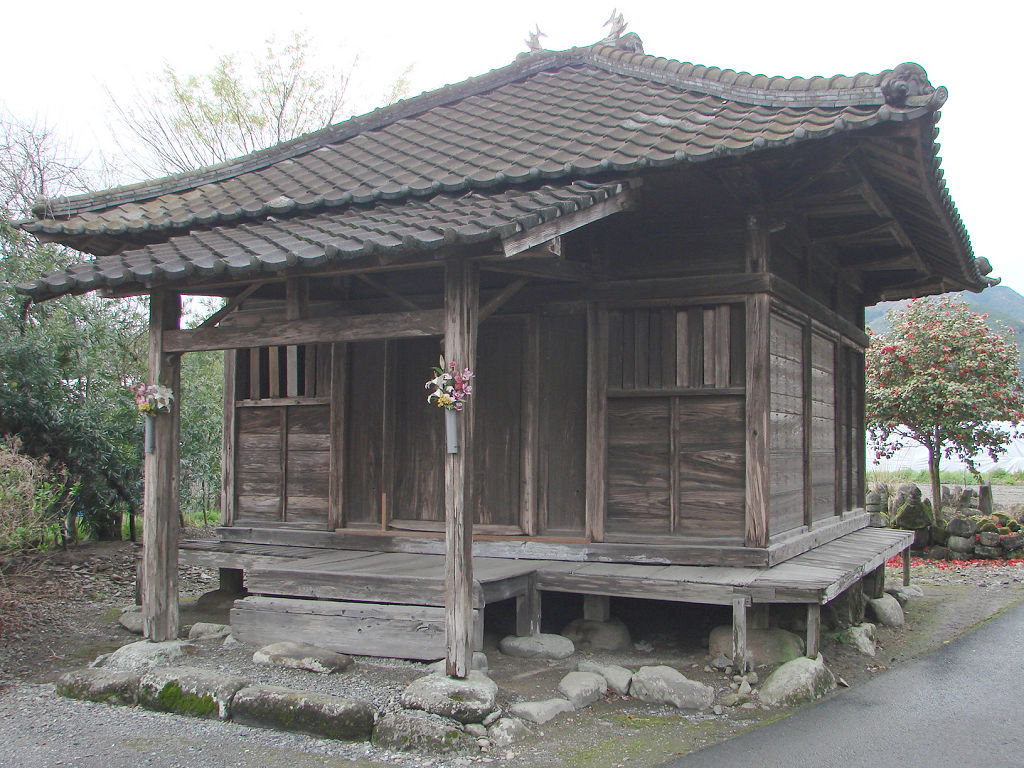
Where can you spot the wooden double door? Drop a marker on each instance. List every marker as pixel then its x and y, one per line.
pixel 392 467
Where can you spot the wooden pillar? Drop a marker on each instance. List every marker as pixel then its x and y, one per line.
pixel 528 610
pixel 596 608
pixel 227 445
pixel 873 584
pixel 597 420
pixel 336 481
pixel 231 580
pixel 161 486
pixel 813 629
pixel 461 304
pixel 739 633
pixel 758 414
pixel 906 567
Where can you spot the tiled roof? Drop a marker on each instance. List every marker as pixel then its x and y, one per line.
pixel 272 244
pixel 550 117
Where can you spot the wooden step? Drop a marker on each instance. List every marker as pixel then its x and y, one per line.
pixel 363 629
pixel 354 587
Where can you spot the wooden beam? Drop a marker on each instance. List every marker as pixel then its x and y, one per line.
pixel 790 294
pixel 231 305
pixel 542 268
pixel 426 322
pixel 161 484
pixel 461 304
pixel 814 172
pixel 597 420
pixel 697 287
pixel 895 261
pixel 503 295
pixel 388 291
pixel 758 416
pixel 856 232
pixel 567 223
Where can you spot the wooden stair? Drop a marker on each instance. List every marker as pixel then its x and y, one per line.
pixel 366 603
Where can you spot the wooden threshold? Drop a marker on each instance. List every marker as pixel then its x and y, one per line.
pixel 506 547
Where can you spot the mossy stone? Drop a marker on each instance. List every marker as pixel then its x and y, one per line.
pixel 319 714
pixel 172 699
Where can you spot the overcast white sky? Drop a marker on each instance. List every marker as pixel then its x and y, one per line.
pixel 58 61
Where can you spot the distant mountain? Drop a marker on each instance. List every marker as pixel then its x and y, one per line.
pixel 1004 306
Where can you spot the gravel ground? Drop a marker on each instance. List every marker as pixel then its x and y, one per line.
pixel 65 609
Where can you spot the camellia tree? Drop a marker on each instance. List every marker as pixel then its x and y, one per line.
pixel 942 377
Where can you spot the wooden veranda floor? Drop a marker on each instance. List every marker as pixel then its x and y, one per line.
pixel 392 603
pixel 816 576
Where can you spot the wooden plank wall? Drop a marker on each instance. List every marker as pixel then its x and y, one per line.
pixel 786 495
pixel 676 435
pixel 823 427
pixel 817 424
pixel 258 466
pixel 562 425
pixel 307 465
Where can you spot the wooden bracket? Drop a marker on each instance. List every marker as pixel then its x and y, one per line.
pixel 560 225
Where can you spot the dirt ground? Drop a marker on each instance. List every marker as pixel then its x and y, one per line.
pixel 60 612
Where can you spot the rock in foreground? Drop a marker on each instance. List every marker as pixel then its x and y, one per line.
pixel 539 646
pixel 319 714
pixel 887 610
pixel 797 681
pixel 764 646
pixel 190 691
pixel 144 655
pixel 540 712
pixel 100 685
pixel 582 688
pixel 418 731
pixel 665 685
pixel 609 635
pixel 468 701
pixel 302 656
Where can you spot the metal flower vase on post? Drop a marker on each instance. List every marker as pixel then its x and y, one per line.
pixel 152 400
pixel 451 387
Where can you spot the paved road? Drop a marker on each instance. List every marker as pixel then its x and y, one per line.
pixel 959 707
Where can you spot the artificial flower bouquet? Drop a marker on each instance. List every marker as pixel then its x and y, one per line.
pixel 451 386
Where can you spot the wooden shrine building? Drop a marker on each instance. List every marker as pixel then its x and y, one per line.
pixel 658 272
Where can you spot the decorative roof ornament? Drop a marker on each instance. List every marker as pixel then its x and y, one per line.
pixel 909 80
pixel 533 41
pixel 618 37
pixel 618 25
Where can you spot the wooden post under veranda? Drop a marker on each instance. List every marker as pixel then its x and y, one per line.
pixel 461 304
pixel 162 479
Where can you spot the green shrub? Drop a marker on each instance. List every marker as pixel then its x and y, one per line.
pixel 33 499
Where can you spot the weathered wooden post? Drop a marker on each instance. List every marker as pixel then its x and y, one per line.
pixel 461 304
pixel 161 484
